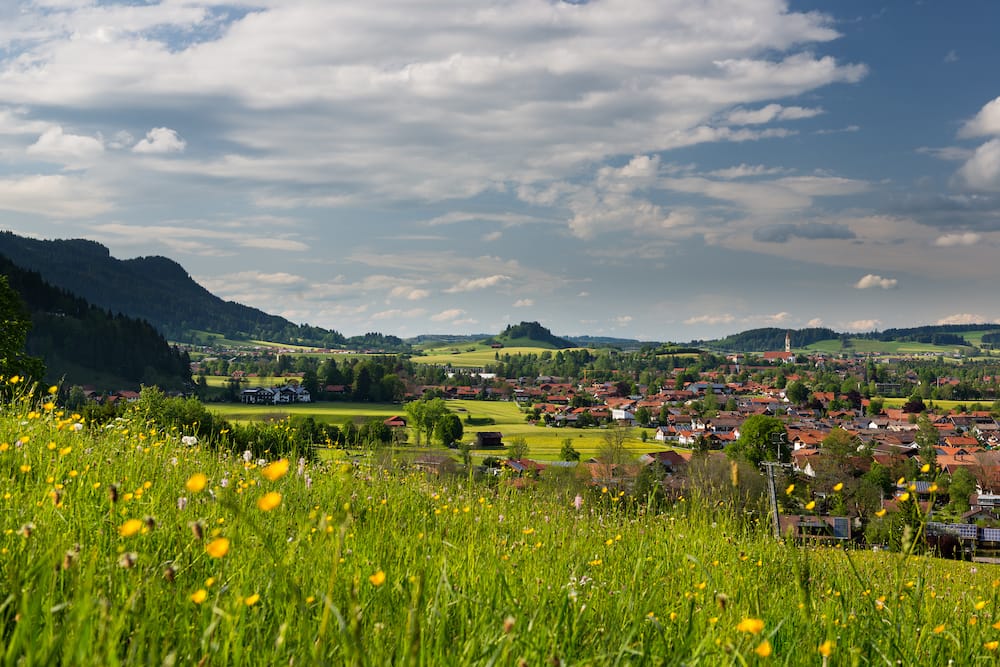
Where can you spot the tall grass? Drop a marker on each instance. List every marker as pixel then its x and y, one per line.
pixel 110 555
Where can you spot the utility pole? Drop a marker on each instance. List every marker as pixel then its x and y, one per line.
pixel 777 439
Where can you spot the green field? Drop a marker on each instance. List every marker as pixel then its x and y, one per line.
pixel 123 546
pixel 866 346
pixel 460 356
pixel 544 442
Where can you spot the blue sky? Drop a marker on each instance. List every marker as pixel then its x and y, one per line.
pixel 657 169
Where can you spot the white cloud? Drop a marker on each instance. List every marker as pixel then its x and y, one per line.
pixel 451 314
pixel 210 238
pixel 524 303
pixel 863 325
pixel 951 56
pixel 778 318
pixel 744 171
pixel 623 320
pixel 769 113
pixel 815 323
pixel 397 314
pixel 962 239
pixel 279 279
pixel 951 153
pixel 54 144
pixel 525 94
pixel 966 318
pixel 984 123
pixel 409 293
pixel 471 284
pixel 273 244
pixel 719 318
pixel 871 280
pixel 982 170
pixel 492 236
pixel 160 140
pixel 53 196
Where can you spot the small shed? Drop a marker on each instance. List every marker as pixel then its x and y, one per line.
pixel 489 440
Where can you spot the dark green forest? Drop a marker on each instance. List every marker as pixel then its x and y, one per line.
pixel 82 343
pixel 155 289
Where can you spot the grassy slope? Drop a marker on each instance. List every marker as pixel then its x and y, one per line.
pixel 364 566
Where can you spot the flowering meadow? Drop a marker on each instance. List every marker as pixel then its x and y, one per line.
pixel 128 543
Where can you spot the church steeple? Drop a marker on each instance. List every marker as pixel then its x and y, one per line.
pixel 788 341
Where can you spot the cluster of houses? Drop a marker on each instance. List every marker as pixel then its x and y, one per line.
pixel 289 393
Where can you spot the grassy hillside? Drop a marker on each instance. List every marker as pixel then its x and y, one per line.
pixel 125 546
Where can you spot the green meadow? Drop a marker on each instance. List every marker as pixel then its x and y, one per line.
pixel 121 545
pixel 474 356
pixel 866 346
pixel 544 442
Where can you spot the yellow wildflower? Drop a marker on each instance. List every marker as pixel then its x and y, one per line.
pixel 751 625
pixel 763 649
pixel 269 501
pixel 130 528
pixel 199 596
pixel 826 648
pixel 218 547
pixel 838 487
pixel 251 600
pixel 196 483
pixel 276 470
pixel 377 579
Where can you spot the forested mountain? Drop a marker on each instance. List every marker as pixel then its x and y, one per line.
pixel 155 289
pixel 87 345
pixel 530 334
pixel 767 339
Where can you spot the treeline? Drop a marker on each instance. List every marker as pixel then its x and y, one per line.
pixel 949 334
pixel 79 341
pixel 769 339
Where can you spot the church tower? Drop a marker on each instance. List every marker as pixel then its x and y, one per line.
pixel 788 341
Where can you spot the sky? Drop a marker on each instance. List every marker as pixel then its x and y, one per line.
pixel 652 169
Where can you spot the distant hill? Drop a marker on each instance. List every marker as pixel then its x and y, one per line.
pixel 84 344
pixel 155 289
pixel 608 341
pixel 769 339
pixel 529 334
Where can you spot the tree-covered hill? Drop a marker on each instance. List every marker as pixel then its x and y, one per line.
pixel 767 339
pixel 529 334
pixel 155 289
pixel 84 344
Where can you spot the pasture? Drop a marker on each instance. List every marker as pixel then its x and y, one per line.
pixel 122 545
pixel 544 443
pixel 866 346
pixel 473 356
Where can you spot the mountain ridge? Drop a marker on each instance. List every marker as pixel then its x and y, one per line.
pixel 160 291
